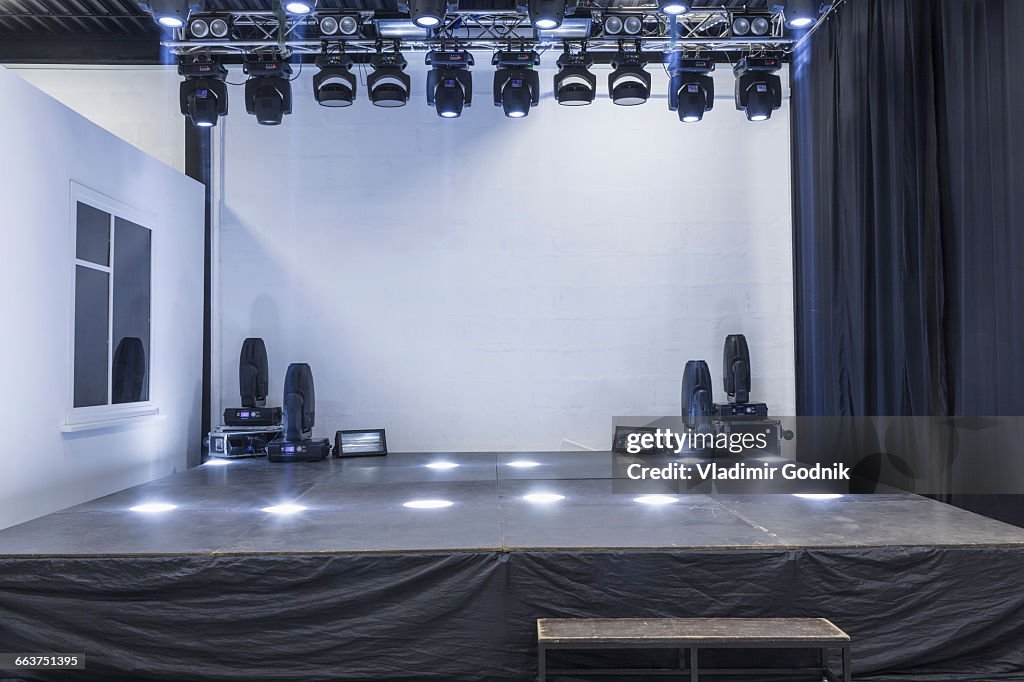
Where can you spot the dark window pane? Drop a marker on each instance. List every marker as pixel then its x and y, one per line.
pixel 92 242
pixel 91 315
pixel 131 312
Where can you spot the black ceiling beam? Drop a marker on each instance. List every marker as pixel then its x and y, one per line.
pixel 41 49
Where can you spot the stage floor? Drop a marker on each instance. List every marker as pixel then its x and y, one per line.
pixel 356 505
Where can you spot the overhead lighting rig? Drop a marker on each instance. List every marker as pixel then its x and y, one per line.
pixel 209 27
pixel 335 84
pixel 691 89
pixel 449 82
pixel 203 94
pixel 758 87
pixel 629 83
pixel 427 14
pixel 516 84
pixel 801 14
pixel 339 25
pixel 268 92
pixel 171 13
pixel 575 85
pixel 388 85
pixel 546 14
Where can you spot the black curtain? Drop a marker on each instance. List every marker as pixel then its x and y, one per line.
pixel 909 213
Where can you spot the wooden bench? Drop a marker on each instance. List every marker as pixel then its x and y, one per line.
pixel 689 635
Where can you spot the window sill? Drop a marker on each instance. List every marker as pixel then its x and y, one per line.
pixel 133 421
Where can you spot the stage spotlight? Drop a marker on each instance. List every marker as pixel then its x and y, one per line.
pixel 691 90
pixel 347 25
pixel 516 84
pixel 268 92
pixel 740 26
pixel 203 95
pixel 171 13
pixel 758 88
pixel 388 85
pixel 633 25
pixel 574 84
pixel 801 13
pixel 673 6
pixel 328 25
pixel 612 25
pixel 298 6
pixel 199 28
pixel 219 28
pixel 428 504
pixel 449 82
pixel 426 13
pixel 335 84
pixel 153 507
pixel 759 26
pixel 628 83
pixel 546 14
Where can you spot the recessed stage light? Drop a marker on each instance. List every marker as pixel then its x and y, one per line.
pixel 656 499
pixel 818 496
pixel 523 464
pixel 543 498
pixel 217 462
pixel 442 465
pixel 428 504
pixel 284 509
pixel 153 507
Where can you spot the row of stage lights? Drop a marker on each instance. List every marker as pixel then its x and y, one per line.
pixel 691 92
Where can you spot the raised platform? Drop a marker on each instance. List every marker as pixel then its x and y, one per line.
pixel 359 586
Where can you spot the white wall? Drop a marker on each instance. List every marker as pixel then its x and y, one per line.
pixel 43 469
pixel 139 104
pixel 486 283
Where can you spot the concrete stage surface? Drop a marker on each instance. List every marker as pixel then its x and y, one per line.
pixel 359 586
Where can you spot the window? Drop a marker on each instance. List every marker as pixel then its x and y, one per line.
pixel 111 345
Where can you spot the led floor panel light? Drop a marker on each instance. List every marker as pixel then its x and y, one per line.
pixel 758 87
pixel 335 84
pixel 516 84
pixel 203 94
pixel 449 82
pixel 268 92
pixel 691 89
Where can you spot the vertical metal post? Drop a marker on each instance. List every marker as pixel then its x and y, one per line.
pixel 542 674
pixel 847 668
pixel 694 675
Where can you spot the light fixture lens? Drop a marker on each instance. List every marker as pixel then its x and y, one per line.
pixel 298 7
pixel 656 499
pixel 800 22
pixel 759 117
pixel 449 114
pixel 348 25
pixel 543 498
pixel 516 114
pixel 153 507
pixel 171 22
pixel 284 509
pixel 632 25
pixel 741 26
pixel 673 8
pixel 759 26
pixel 546 24
pixel 612 25
pixel 428 504
pixel 428 21
pixel 328 25
pixel 818 496
pixel 199 28
pixel 219 28
pixel 523 464
pixel 442 465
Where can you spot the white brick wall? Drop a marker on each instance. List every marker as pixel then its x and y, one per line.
pixel 494 284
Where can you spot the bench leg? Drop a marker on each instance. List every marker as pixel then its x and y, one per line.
pixel 847 668
pixel 694 675
pixel 542 674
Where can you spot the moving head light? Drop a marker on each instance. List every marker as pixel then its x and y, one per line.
pixel 171 13
pixel 268 92
pixel 575 85
pixel 696 395
pixel 691 90
pixel 758 88
pixel 736 368
pixel 335 84
pixel 388 84
pixel 449 82
pixel 628 83
pixel 516 84
pixel 203 94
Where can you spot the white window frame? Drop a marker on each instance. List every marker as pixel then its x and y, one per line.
pixel 109 414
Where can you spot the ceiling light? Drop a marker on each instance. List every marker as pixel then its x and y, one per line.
pixel 545 14
pixel 523 464
pixel 268 92
pixel 441 466
pixel 516 84
pixel 203 95
pixel 428 504
pixel 691 90
pixel 449 82
pixel 575 85
pixel 628 83
pixel 758 88
pixel 287 508
pixel 543 498
pixel 802 13
pixel 298 6
pixel 655 499
pixel 388 85
pixel 426 13
pixel 171 13
pixel 335 84
pixel 673 6
pixel 818 496
pixel 153 507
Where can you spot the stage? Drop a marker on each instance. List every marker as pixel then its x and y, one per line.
pixel 360 587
